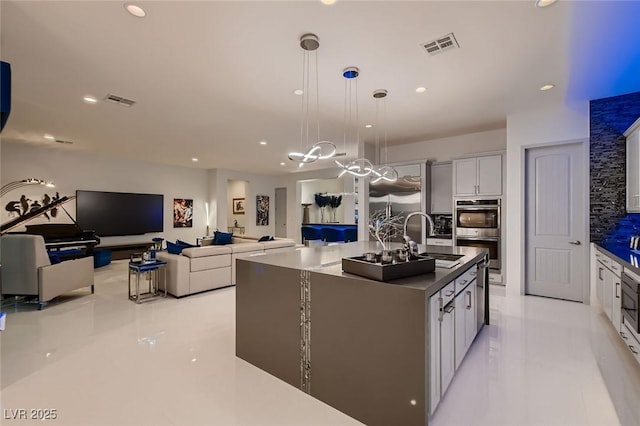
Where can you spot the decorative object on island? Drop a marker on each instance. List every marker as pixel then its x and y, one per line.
pixel 238 205
pixel 382 172
pixel 384 227
pixel 262 210
pixel 182 213
pixel 335 202
pixel 321 150
pixel 356 166
pixel 322 201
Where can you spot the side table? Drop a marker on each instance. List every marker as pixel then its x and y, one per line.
pixel 152 269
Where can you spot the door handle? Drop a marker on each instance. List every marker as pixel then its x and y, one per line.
pixel 575 243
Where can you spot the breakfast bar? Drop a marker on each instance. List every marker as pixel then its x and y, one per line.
pixel 365 347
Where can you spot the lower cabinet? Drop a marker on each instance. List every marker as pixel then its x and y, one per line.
pixel 453 327
pixel 608 291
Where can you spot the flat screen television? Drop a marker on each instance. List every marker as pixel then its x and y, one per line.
pixel 119 213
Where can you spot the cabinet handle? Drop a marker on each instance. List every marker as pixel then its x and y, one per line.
pixel 449 293
pixel 450 309
pixel 463 282
pixel 474 273
pixel 600 274
pixel 440 314
pixel 617 294
pixel 633 349
pixel 623 335
pixel 469 303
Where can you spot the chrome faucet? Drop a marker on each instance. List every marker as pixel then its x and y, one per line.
pixel 410 245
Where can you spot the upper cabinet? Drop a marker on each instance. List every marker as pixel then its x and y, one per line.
pixel 633 162
pixel 441 188
pixel 477 176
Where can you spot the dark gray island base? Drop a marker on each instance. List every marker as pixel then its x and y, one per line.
pixel 364 347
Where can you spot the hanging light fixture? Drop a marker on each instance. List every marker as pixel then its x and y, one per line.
pixel 359 167
pixel 382 172
pixel 321 150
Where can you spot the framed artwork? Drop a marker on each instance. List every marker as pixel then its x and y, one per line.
pixel 182 213
pixel 262 210
pixel 238 206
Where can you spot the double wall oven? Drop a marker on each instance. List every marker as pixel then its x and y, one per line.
pixel 477 224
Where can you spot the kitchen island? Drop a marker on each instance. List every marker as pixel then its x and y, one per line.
pixel 376 351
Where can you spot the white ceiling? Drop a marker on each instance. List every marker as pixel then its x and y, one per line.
pixel 212 79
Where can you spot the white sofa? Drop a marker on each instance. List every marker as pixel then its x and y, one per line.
pixel 199 269
pixel 27 270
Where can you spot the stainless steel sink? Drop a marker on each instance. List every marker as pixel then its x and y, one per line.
pixel 444 256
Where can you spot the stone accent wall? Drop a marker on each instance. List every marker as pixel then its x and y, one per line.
pixel 609 118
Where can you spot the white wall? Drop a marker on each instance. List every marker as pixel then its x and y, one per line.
pixel 446 149
pixel 236 189
pixel 524 129
pixel 256 185
pixel 71 170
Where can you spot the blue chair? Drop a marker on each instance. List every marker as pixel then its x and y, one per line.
pixel 350 235
pixel 332 235
pixel 309 234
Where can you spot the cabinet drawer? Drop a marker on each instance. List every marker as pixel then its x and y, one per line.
pixel 630 339
pixel 615 267
pixel 448 293
pixel 465 279
pixel 439 242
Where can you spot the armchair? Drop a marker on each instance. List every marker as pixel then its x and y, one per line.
pixel 27 270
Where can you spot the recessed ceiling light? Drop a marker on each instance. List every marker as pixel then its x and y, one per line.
pixel 136 11
pixel 263 142
pixel 368 126
pixel 90 99
pixel 282 164
pixel 547 87
pixel 544 3
pixel 328 2
pixel 298 92
pixel 194 159
pixel 421 89
pixel 49 137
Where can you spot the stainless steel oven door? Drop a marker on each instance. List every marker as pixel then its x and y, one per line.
pixel 630 301
pixel 492 244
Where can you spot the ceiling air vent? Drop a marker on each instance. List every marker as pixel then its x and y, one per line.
pixel 441 44
pixel 119 100
pixel 64 142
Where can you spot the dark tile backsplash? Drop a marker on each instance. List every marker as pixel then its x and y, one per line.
pixel 609 118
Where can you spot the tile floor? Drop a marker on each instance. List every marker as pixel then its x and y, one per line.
pixel 102 360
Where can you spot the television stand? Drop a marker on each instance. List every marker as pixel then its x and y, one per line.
pixel 124 251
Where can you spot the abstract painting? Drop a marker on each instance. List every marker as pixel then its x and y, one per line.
pixel 262 210
pixel 182 213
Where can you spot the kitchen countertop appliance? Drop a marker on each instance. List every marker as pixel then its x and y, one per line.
pixel 477 224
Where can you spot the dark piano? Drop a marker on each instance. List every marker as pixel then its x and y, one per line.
pixel 67 240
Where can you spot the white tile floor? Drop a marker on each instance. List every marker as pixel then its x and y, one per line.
pixel 100 359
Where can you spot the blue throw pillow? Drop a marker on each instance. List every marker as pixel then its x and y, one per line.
pixel 175 248
pixel 222 238
pixel 184 243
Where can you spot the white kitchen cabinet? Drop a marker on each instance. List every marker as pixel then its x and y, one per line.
pixel 447 347
pixel 466 321
pixel 477 176
pixel 633 162
pixel 441 188
pixel 608 291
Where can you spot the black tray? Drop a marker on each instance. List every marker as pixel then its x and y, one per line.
pixel 390 271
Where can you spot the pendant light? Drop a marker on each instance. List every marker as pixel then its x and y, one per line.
pixel 320 150
pixel 359 167
pixel 382 172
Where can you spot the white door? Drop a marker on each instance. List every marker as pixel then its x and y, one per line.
pixel 556 246
pixel 281 212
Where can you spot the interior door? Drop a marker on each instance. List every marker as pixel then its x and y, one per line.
pixel 281 212
pixel 556 245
